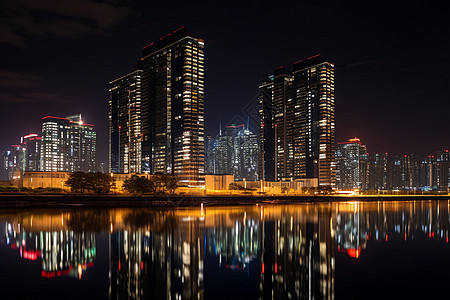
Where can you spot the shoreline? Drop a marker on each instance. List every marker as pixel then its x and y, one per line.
pixel 174 201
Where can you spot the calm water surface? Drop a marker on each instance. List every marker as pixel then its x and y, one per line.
pixel 348 250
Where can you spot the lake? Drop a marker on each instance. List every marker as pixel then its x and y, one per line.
pixel 351 250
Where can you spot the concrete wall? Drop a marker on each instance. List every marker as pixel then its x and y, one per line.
pixel 44 180
pixel 218 182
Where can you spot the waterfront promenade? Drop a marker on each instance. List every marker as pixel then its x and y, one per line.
pixel 15 201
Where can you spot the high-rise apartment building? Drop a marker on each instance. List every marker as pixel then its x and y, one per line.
pixel 211 146
pixel 20 158
pixel 378 171
pixel 168 88
pixel 125 135
pixel 352 165
pixel 12 161
pixel 173 107
pixel 68 144
pixel 297 123
pixel 246 150
pixel 443 170
pixel 32 144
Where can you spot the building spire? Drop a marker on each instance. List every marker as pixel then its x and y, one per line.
pixel 220 126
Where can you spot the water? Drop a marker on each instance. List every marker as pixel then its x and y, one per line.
pixel 347 250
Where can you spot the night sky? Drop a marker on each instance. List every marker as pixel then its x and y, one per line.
pixel 392 61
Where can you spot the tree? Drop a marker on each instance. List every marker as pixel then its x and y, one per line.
pixel 324 189
pixel 164 183
pixel 98 183
pixel 76 182
pixel 139 185
pixel 95 182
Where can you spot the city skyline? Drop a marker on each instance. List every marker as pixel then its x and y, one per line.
pixel 241 149
pixel 389 117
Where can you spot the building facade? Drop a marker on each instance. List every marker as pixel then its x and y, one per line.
pixel 352 171
pixel 378 171
pixel 12 162
pixel 173 107
pixel 235 152
pixel 157 112
pixel 297 123
pixel 68 145
pixel 125 152
pixel 32 144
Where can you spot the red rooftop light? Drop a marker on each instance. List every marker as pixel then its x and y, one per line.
pixel 51 117
pixel 314 56
pixel 178 29
pixel 147 46
pixel 30 135
pixel 164 36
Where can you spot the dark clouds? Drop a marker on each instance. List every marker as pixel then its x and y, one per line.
pixel 21 19
pixel 10 79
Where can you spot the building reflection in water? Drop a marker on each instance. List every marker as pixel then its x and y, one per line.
pixel 50 239
pixel 162 254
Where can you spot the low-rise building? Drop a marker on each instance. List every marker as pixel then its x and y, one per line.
pixel 279 187
pixel 43 180
pixel 218 182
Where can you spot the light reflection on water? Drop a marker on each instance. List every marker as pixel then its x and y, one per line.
pixel 269 251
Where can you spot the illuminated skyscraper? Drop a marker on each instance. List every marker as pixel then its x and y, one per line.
pixel 235 152
pixel 173 107
pixel 125 124
pixel 246 150
pixel 225 150
pixel 443 164
pixel 20 158
pixel 266 156
pixel 32 144
pixel 211 153
pixel 12 161
pixel 68 144
pixel 351 165
pixel 378 171
pixel 297 123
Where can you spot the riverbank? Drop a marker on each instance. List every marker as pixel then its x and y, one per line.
pixel 58 201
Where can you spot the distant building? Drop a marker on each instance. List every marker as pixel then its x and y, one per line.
pixel 12 162
pixel 378 171
pixel 32 144
pixel 297 123
pixel 20 158
pixel 352 165
pixel 435 172
pixel 211 146
pixel 125 152
pixel 443 163
pixel 409 172
pixel 225 153
pixel 68 145
pixel 404 172
pixel 235 152
pixel 246 155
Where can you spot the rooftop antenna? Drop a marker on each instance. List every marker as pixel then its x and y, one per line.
pixel 220 126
